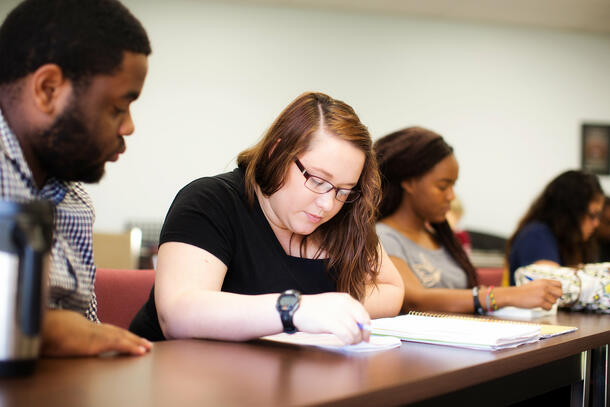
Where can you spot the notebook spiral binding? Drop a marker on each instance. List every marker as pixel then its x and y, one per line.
pixel 546 330
pixel 470 318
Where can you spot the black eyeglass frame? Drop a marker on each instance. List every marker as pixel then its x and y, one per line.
pixel 594 215
pixel 353 195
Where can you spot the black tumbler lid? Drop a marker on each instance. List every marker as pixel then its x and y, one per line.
pixel 39 213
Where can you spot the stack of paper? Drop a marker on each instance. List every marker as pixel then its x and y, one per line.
pixel 460 332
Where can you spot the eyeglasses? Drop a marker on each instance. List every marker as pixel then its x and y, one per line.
pixel 321 186
pixel 594 215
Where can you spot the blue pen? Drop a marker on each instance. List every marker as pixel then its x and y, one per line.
pixel 528 277
pixel 364 327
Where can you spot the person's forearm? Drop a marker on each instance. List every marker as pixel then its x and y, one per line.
pixel 220 315
pixel 506 296
pixel 383 300
pixel 442 299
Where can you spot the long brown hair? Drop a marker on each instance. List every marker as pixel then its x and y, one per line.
pixel 349 238
pixel 411 153
pixel 562 205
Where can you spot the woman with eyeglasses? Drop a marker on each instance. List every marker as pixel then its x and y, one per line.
pixel 418 172
pixel 285 242
pixel 557 228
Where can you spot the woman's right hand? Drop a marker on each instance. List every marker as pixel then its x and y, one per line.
pixel 336 313
pixel 538 293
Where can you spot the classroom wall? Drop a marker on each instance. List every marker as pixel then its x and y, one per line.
pixel 509 99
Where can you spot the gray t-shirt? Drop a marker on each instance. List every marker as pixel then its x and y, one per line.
pixel 433 268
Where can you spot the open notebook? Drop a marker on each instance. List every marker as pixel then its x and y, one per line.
pixel 464 331
pixel 332 343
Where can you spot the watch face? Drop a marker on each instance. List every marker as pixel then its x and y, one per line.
pixel 287 301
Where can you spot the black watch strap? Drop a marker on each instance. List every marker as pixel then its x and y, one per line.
pixel 287 303
pixel 478 309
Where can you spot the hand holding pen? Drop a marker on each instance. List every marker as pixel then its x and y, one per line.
pixel 366 331
pixel 336 313
pixel 538 293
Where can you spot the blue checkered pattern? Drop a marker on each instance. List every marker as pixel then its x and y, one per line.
pixel 72 271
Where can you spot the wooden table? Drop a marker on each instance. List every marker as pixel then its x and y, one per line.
pixel 213 373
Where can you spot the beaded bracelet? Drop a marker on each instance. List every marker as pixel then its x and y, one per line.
pixel 477 304
pixel 494 306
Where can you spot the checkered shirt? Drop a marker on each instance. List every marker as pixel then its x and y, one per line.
pixel 72 273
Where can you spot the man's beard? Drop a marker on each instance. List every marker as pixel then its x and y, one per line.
pixel 68 150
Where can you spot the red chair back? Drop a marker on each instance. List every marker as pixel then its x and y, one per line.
pixel 121 293
pixel 490 276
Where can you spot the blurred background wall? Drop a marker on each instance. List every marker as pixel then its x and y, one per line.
pixel 509 96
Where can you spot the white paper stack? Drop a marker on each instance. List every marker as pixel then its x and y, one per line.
pixel 457 331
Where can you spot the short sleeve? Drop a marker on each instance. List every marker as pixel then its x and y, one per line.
pixel 390 242
pixel 201 216
pixel 533 243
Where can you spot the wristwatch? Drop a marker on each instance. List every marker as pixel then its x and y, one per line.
pixel 478 309
pixel 287 303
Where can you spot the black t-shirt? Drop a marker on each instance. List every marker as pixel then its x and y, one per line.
pixel 212 213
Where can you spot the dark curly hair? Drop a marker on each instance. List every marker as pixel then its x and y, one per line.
pixel 83 37
pixel 411 153
pixel 562 205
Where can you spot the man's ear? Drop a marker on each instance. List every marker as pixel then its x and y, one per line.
pixel 50 89
pixel 408 185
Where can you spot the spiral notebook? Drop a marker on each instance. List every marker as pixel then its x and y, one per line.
pixel 464 331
